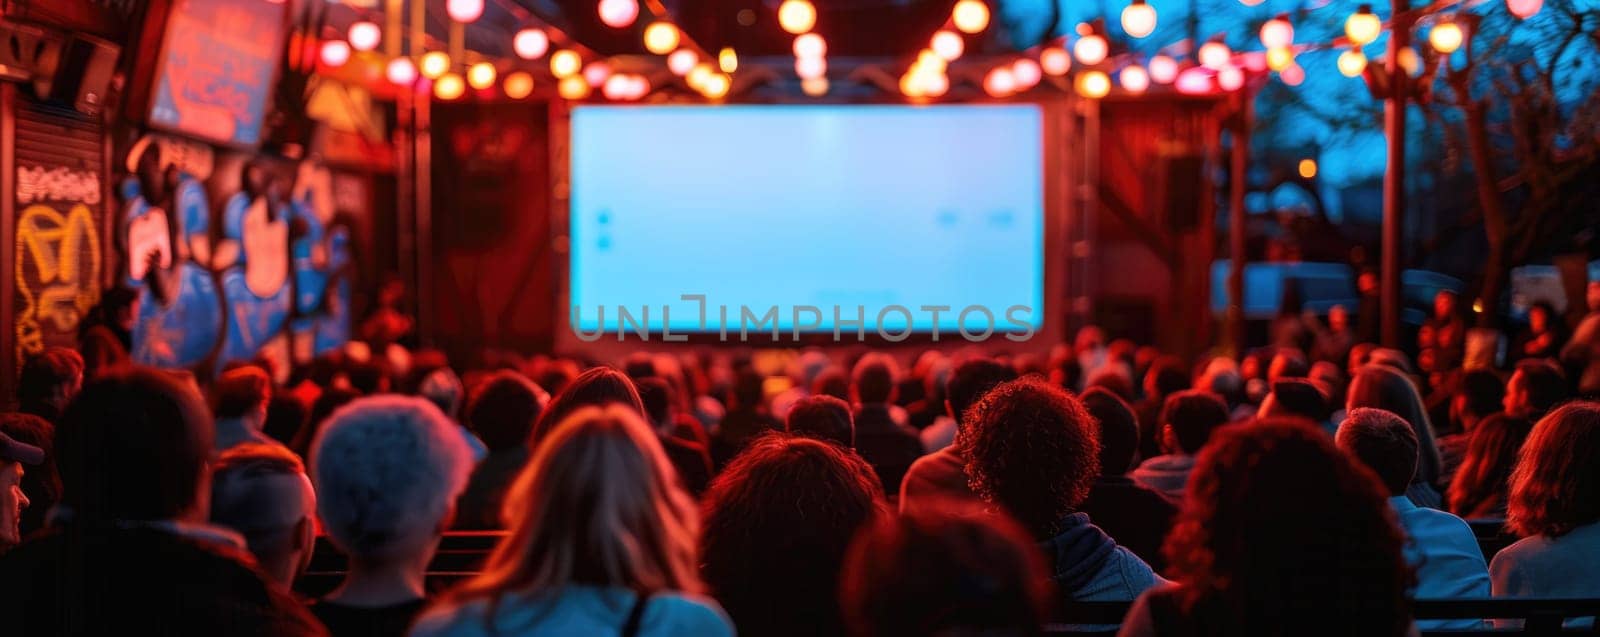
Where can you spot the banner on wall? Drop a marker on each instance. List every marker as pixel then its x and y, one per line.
pixel 219 61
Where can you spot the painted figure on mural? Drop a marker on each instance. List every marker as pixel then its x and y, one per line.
pixel 166 248
pixel 253 257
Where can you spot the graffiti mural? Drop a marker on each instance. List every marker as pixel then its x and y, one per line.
pixel 166 255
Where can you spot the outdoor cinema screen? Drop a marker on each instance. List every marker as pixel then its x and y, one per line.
pixel 849 209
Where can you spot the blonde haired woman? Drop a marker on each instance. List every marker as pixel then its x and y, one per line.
pixel 602 542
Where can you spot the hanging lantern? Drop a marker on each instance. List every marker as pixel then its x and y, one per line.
pixel 1090 49
pixel 401 71
pixel 434 64
pixel 970 16
pixel 449 87
pixel 364 35
pixel 999 82
pixel 717 86
pixel 1134 79
pixel 1138 19
pixel 464 11
pixel 565 63
pixel 660 38
pixel 948 44
pixel 698 75
pixel 335 52
pixel 530 44
pixel 810 45
pixel 682 61
pixel 1362 27
pixel 1055 61
pixel 810 68
pixel 1446 37
pixel 1027 73
pixel 1352 63
pixel 596 72
pixel 728 60
pixel 1163 69
pixel 797 16
pixel 618 13
pixel 481 75
pixel 1277 32
pixel 573 87
pixel 1410 62
pixel 518 85
pixel 1093 84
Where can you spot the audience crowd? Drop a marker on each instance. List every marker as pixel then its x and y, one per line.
pixel 1318 486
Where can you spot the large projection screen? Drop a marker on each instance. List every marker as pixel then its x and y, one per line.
pixel 848 208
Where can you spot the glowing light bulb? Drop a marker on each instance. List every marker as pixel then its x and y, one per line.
pixel 1214 55
pixel 401 71
pixel 573 87
pixel 717 86
pixel 1524 8
pixel 1277 33
pixel 999 82
pixel 518 85
pixel 1293 75
pixel 1352 62
pixel 595 73
pixel 530 44
pixel 698 75
pixel 617 87
pixel 682 61
pixel 970 16
pixel 660 38
pixel 618 13
pixel 464 10
pixel 1362 27
pixel 1055 61
pixel 1163 69
pixel 948 44
pixel 1446 37
pixel 449 87
pixel 364 36
pixel 1230 78
pixel 1279 58
pixel 1027 73
pixel 909 86
pixel 728 60
pixel 1093 84
pixel 1090 49
pixel 481 75
pixel 1250 3
pixel 1194 81
pixel 815 87
pixel 1410 62
pixel 565 63
pixel 434 64
pixel 927 59
pixel 1138 19
pixel 810 45
pixel 797 16
pixel 335 52
pixel 1308 168
pixel 810 68
pixel 1134 79
pixel 933 84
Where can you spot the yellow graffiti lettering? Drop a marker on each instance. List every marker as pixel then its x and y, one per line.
pixel 63 254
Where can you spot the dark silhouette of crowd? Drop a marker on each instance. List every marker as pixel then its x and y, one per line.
pixel 1319 486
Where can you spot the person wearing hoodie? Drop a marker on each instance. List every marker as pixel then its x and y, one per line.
pixel 1033 449
pixel 1187 420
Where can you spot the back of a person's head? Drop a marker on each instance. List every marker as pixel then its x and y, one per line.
pixel 41 483
pixel 822 418
pixel 948 569
pixel 387 470
pixel 1119 430
pixel 639 366
pixel 1221 377
pixel 1277 523
pixel 873 379
pixel 598 505
pixel 133 446
pixel 1556 485
pixel 1484 477
pixel 261 491
pixel 597 387
pixel 369 377
pixel 1391 358
pixel 1288 362
pixel 240 392
pixel 1296 398
pixel 1542 385
pixel 48 380
pixel 832 382
pixel 443 388
pixel 1165 377
pixel 749 390
pixel 1112 379
pixel 657 396
pixel 502 410
pixel 1387 388
pixel 1033 449
pixel 970 381
pixel 776 525
pixel 1193 414
pixel 1383 442
pixel 1481 392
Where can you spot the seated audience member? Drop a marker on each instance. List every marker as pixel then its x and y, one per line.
pixel 1480 486
pixel 106 334
pixel 881 437
pixel 595 387
pixel 949 569
pixel 1287 362
pixel 1555 506
pixel 387 470
pixel 1137 517
pixel 40 484
pixel 1543 338
pixel 823 418
pixel 1165 377
pixel 1534 389
pixel 1383 387
pixel 13 500
pixel 1280 534
pixel 775 527
pixel 832 382
pixel 443 388
pixel 369 377
pixel 942 474
pixel 501 412
pixel 691 460
pixel 239 403
pixel 747 418
pixel 129 551
pixel 262 492
pixel 1297 398
pixel 602 541
pixel 48 381
pixel 1187 421
pixel 1478 395
pixel 286 416
pixel 330 400
pixel 1031 449
pixel 1440 546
